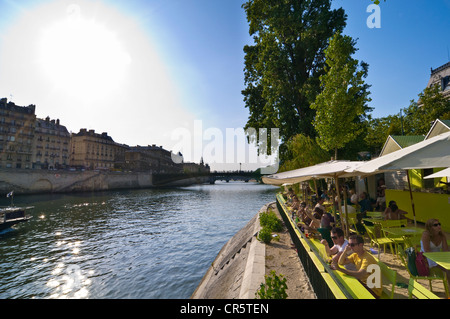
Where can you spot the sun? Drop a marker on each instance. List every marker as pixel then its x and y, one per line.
pixel 82 56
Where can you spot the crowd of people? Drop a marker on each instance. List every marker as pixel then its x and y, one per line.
pixel 349 256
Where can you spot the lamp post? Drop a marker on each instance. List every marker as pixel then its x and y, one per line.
pixel 401 120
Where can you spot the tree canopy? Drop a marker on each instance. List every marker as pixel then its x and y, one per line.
pixel 283 66
pixel 342 104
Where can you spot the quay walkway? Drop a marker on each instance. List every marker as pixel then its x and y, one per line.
pixel 239 268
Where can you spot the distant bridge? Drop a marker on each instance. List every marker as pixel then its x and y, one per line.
pixel 205 177
pixel 233 176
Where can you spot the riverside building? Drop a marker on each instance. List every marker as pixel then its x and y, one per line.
pixel 17 125
pixel 51 145
pixel 150 158
pixel 96 151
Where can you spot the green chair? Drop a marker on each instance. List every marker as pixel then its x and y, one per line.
pixel 419 291
pixel 391 276
pixel 353 226
pixel 412 241
pixel 404 260
pixel 398 240
pixel 378 241
pixel 376 215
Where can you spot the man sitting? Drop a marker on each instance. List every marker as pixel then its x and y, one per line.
pixel 339 244
pixel 361 258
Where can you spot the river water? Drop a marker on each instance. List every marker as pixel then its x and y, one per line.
pixel 150 244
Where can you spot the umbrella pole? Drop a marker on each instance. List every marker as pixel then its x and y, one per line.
pixel 315 186
pixel 339 205
pixel 411 196
pixel 346 213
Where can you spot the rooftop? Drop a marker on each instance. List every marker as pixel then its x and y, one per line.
pixel 441 68
pixel 407 140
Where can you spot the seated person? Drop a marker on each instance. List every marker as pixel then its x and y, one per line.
pixel 392 212
pixel 317 216
pixel 361 259
pixel 327 221
pixel 325 195
pixel 304 215
pixel 353 197
pixel 434 240
pixel 365 204
pixel 294 206
pixel 290 194
pixel 350 209
pixel 381 196
pixel 338 246
pixel 320 204
pixel 312 220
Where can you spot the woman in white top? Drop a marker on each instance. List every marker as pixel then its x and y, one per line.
pixel 434 240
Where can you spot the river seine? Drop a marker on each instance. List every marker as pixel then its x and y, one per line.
pixel 142 244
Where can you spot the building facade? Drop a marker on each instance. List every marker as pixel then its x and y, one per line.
pixel 441 76
pixel 91 150
pixel 17 128
pixel 51 145
pixel 150 158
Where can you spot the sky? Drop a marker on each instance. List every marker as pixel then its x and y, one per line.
pixel 170 72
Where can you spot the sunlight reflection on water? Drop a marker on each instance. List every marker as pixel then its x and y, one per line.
pixel 129 244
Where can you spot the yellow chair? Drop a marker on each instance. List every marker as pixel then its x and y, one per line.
pixel 376 215
pixel 379 241
pixel 419 291
pixel 391 276
pixel 404 260
pixel 353 222
pixel 412 241
pixel 398 240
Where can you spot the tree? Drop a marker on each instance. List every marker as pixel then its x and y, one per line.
pixel 303 152
pixel 283 67
pixel 420 115
pixel 378 130
pixel 342 105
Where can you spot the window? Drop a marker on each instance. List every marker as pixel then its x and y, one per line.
pixel 445 83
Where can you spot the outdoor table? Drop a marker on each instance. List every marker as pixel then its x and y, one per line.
pixel 441 258
pixel 371 221
pixel 403 231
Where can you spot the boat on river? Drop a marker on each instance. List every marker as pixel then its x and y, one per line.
pixel 10 216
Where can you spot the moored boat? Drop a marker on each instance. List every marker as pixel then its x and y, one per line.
pixel 10 216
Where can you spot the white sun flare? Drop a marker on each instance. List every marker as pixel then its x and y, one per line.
pixel 82 57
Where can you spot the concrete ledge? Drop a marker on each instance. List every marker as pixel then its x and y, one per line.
pixel 255 268
pixel 239 268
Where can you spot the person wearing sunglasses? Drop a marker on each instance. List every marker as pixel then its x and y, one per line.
pixel 361 259
pixel 339 244
pixel 434 240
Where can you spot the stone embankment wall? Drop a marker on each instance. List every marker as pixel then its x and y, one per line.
pixel 41 181
pixel 239 268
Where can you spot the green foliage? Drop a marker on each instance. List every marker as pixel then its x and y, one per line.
pixel 303 151
pixel 270 221
pixel 265 235
pixel 377 2
pixel 416 119
pixel 283 67
pixel 431 105
pixel 342 104
pixel 274 288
